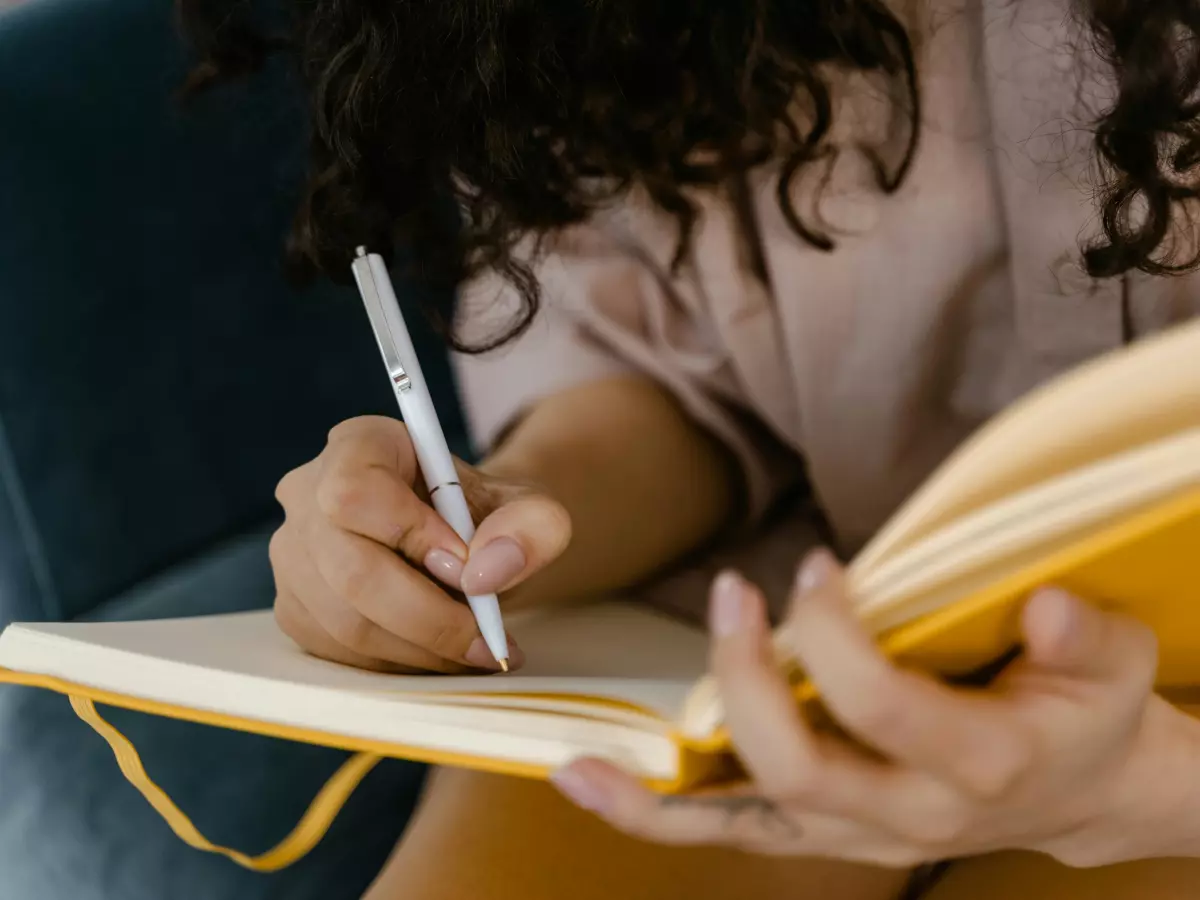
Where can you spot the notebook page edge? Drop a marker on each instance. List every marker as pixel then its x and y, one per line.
pixel 528 736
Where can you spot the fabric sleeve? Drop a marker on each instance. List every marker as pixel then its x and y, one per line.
pixel 551 356
pixel 604 314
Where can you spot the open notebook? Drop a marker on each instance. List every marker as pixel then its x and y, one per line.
pixel 1092 482
pixel 608 679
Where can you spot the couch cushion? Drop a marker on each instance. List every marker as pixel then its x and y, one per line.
pixel 233 576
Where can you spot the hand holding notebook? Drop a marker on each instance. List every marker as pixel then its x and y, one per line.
pixel 1064 752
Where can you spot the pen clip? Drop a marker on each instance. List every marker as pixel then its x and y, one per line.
pixel 379 325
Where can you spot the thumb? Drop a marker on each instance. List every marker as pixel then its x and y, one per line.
pixel 1066 635
pixel 524 531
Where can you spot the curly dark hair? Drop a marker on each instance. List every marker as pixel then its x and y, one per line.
pixel 531 115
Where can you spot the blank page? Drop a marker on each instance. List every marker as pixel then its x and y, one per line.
pixel 1108 406
pixel 613 651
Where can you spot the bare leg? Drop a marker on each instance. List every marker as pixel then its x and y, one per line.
pixel 482 837
pixel 1006 876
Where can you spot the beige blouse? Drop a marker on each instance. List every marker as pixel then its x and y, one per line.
pixel 866 366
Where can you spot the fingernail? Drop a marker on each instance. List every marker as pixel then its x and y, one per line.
pixel 580 790
pixel 493 567
pixel 444 566
pixel 728 606
pixel 1063 613
pixel 516 656
pixel 817 570
pixel 480 656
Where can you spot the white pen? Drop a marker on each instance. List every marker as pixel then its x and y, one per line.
pixel 429 441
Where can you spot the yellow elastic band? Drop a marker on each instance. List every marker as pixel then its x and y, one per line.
pixel 304 837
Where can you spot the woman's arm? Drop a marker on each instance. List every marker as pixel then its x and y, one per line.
pixel 643 484
pixel 1162 793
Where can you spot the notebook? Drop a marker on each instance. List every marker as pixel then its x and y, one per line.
pixel 1091 482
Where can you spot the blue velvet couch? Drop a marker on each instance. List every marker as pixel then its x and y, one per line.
pixel 157 377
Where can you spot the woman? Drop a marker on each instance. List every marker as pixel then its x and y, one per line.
pixel 733 249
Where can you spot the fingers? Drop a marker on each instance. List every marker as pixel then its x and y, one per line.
pixel 772 740
pixel 527 531
pixel 1068 636
pixel 385 590
pixel 298 624
pixel 739 816
pixel 626 804
pixel 316 617
pixel 961 738
pixel 365 486
pixel 367 473
pixel 735 816
pixel 760 710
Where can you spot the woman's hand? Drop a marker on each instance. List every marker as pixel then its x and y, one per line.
pixel 1068 753
pixel 353 558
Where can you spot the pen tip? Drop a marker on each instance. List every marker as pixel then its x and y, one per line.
pixel 503 664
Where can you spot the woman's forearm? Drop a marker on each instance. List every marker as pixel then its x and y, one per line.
pixel 643 484
pixel 1169 788
pixel 1190 833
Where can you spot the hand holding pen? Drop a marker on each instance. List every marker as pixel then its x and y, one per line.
pixel 357 557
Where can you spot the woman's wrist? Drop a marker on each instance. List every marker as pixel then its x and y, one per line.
pixel 1179 808
pixel 1155 810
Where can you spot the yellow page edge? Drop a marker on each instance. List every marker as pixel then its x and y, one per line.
pixel 309 736
pixel 1043 573
pixel 692 768
pixel 908 637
